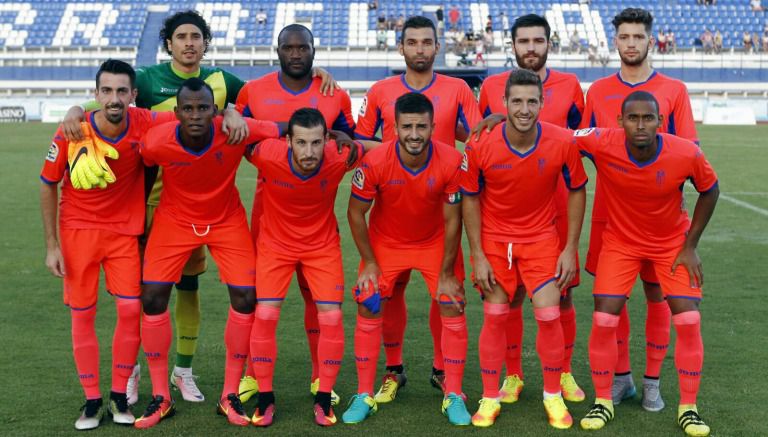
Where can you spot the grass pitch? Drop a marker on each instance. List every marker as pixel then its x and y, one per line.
pixel 41 394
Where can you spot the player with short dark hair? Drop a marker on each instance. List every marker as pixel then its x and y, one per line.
pixel 563 105
pixel 298 227
pixel 415 224
pixel 455 113
pixel 276 96
pixel 509 179
pixel 643 172
pixel 200 206
pixel 99 229
pixel 633 41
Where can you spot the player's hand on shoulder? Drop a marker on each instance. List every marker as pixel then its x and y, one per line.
pixel 234 126
pixel 70 126
pixel 328 84
pixel 486 125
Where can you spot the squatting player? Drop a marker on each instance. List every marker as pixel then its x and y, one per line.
pixel 200 206
pixel 275 96
pixel 509 178
pixel 455 110
pixel 643 173
pixel 99 228
pixel 563 105
pixel 415 224
pixel 298 227
pixel 633 41
pixel 186 37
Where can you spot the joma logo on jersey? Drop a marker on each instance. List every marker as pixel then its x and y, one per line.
pixel 601 372
pixel 239 356
pixel 688 372
pixel 661 347
pixel 283 184
pixel 152 355
pixel 261 360
pixel 362 359
pixel 551 369
pixel 617 167
pixel 165 90
pixel 396 182
pixel 488 371
pixel 124 366
pixel 501 166
pixel 86 376
pixel 614 97
pixel 274 101
pixel 452 361
pixel 332 362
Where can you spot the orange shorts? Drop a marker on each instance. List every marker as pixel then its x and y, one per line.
pixel 195 265
pixel 647 272
pixel 533 264
pixel 396 264
pixel 561 223
pixel 171 244
pixel 620 263
pixel 85 251
pixel 322 269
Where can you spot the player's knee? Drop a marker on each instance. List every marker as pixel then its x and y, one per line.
pixel 154 301
pixel 128 309
pixel 332 317
pixel 243 300
pixel 518 298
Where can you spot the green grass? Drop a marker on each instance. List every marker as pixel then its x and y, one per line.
pixel 41 394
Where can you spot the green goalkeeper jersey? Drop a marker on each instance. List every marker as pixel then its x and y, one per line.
pixel 158 84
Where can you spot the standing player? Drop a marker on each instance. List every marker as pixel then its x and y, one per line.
pixel 563 104
pixel 455 111
pixel 200 205
pixel 186 37
pixel 99 228
pixel 633 41
pixel 643 172
pixel 510 177
pixel 276 96
pixel 415 224
pixel 298 227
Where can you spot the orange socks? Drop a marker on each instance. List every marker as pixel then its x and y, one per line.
pixel 85 348
pixel 689 354
pixel 236 340
pixel 436 329
pixel 515 342
pixel 330 347
pixel 395 318
pixel 622 341
pixel 125 341
pixel 603 352
pixel 311 327
pixel 156 337
pixel 568 322
pixel 549 345
pixel 454 347
pixel 656 337
pixel 264 345
pixel 493 340
pixel 367 345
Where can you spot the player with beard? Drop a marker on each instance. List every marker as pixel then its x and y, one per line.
pixel 509 179
pixel 633 41
pixel 98 228
pixel 186 37
pixel 456 111
pixel 276 96
pixel 563 105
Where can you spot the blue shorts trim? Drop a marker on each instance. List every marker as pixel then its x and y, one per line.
pixel 542 285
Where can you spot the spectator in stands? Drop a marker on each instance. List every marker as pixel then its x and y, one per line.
pixel 488 41
pixel 707 41
pixel 747 40
pixel 603 54
pixel 440 16
pixel 504 24
pixel 661 42
pixel 765 42
pixel 755 42
pixel 756 5
pixel 489 24
pixel 391 21
pixel 261 17
pixel 555 40
pixel 399 23
pixel 381 39
pixel 592 54
pixel 453 17
pixel 718 42
pixel 575 42
pixel 509 53
pixel 381 22
pixel 671 42
pixel 372 6
pixel 479 49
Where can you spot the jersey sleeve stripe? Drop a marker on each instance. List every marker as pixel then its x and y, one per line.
pixel 48 181
pixel 462 118
pixel 469 193
pixel 574 117
pixel 361 198
pixel 364 137
pixel 341 124
pixel 716 184
pixel 671 124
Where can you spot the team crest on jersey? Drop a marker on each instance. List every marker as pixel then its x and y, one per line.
pixel 583 132
pixel 53 153
pixel 358 179
pixel 465 162
pixel 363 106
